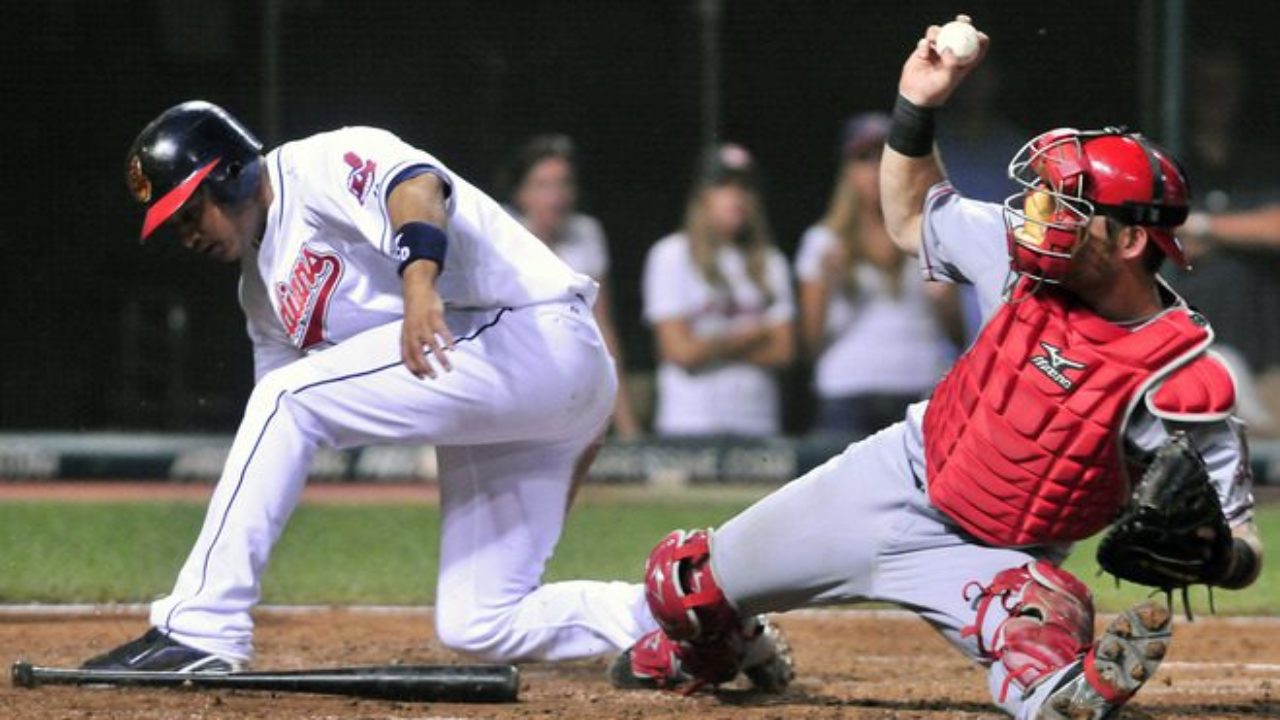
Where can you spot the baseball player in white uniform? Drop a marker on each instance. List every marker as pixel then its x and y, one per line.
pixel 962 512
pixel 389 301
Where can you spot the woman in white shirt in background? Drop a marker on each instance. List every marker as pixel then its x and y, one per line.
pixel 867 319
pixel 718 295
pixel 543 183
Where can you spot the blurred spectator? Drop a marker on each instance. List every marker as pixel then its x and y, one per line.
pixel 1233 234
pixel 866 316
pixel 976 140
pixel 718 295
pixel 542 181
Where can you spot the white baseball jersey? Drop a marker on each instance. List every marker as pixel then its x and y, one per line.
pixel 531 388
pixel 728 397
pixel 326 268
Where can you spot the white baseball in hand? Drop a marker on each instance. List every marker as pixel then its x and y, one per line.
pixel 960 38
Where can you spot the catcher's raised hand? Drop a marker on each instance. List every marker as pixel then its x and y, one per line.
pixel 929 77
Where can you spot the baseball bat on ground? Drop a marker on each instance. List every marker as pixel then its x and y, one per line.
pixel 411 683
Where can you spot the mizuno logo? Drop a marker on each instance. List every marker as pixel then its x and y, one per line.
pixel 1054 365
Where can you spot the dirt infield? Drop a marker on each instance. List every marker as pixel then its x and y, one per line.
pixel 851 665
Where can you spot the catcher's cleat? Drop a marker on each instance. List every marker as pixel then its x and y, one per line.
pixel 1123 658
pixel 767 660
pixel 155 651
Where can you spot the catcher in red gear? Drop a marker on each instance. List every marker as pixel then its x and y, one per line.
pixel 1091 396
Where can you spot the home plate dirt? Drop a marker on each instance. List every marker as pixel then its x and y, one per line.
pixel 850 664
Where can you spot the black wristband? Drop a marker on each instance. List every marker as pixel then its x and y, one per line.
pixel 420 241
pixel 911 132
pixel 1243 568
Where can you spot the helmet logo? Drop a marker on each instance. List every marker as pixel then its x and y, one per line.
pixel 139 185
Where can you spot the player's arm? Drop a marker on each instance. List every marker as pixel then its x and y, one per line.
pixel 813 316
pixel 1246 557
pixel 1258 228
pixel 778 349
pixel 678 345
pixel 1224 447
pixel 909 166
pixel 418 211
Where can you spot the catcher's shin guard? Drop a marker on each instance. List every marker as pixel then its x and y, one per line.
pixel 1115 667
pixel 701 639
pixel 1049 623
pixel 683 595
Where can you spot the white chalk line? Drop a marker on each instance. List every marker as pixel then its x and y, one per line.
pixel 1245 667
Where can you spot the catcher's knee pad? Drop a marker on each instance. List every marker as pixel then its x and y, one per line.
pixel 1049 622
pixel 683 595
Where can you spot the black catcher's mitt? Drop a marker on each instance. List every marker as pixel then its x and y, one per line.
pixel 1173 534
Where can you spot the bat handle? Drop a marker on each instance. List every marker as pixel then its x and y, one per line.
pixel 22 675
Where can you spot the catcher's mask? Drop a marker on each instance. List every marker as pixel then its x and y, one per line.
pixel 1068 176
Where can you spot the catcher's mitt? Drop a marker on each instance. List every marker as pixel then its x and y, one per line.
pixel 1173 534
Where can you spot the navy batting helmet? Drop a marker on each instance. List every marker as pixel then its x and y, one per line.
pixel 189 144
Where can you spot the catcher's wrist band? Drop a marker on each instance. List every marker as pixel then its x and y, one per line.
pixel 911 132
pixel 420 241
pixel 1244 566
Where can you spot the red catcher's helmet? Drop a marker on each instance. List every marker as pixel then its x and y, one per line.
pixel 1069 176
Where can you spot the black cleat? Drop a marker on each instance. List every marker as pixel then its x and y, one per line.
pixel 1119 663
pixel 157 652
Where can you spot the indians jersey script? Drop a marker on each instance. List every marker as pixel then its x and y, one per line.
pixel 326 267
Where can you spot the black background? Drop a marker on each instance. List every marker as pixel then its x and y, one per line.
pixel 86 310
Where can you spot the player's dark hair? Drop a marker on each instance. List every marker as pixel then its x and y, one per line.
pixel 1152 256
pixel 533 151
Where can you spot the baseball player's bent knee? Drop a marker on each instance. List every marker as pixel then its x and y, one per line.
pixel 487 636
pixel 276 394
pixel 683 595
pixel 1048 626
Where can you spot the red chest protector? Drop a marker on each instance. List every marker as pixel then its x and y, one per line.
pixel 1023 437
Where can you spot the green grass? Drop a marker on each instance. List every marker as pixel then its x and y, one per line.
pixel 1261 598
pixel 131 552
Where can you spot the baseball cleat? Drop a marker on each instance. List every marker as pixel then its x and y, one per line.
pixel 155 651
pixel 766 659
pixel 1120 661
pixel 650 664
pixel 658 662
